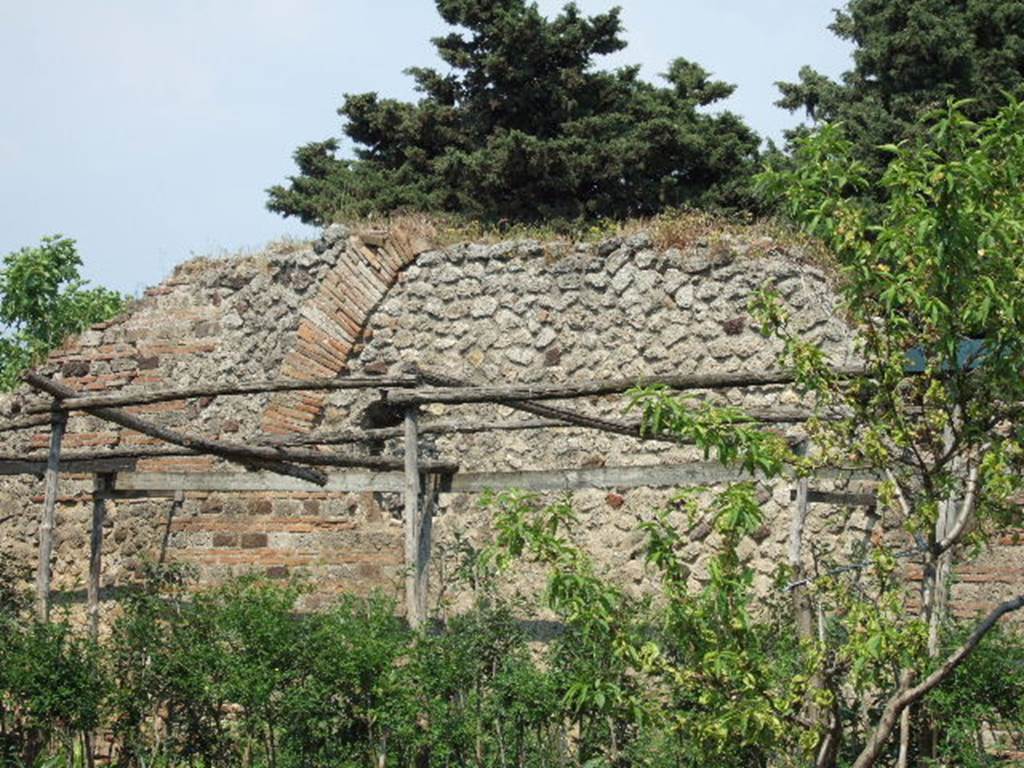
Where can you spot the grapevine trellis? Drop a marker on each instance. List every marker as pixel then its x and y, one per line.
pixel 313 462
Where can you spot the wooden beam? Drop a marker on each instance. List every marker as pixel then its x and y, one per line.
pixel 344 436
pixel 59 420
pixel 27 422
pixel 440 427
pixel 411 518
pixel 642 476
pixel 101 483
pixel 167 483
pixel 85 458
pixel 584 420
pixel 132 453
pixel 38 468
pixel 119 494
pixel 121 399
pixel 570 390
pixel 275 462
pixel 357 481
pixel 840 498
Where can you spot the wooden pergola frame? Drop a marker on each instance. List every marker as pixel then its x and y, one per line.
pixel 299 462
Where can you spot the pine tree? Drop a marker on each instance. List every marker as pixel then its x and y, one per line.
pixel 910 57
pixel 523 127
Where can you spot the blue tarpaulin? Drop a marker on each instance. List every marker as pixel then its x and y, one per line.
pixel 968 356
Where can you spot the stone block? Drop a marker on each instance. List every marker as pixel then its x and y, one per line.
pixel 253 540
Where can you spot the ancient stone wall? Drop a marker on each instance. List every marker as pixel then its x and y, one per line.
pixel 512 312
pixel 294 310
pixel 524 312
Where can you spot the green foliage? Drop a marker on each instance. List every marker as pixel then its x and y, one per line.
pixel 988 689
pixel 939 265
pixel 725 432
pixel 909 58
pixel 932 285
pixel 691 679
pixel 51 688
pixel 524 128
pixel 706 674
pixel 234 675
pixel 43 301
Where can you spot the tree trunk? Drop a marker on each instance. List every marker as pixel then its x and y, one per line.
pixel 905 696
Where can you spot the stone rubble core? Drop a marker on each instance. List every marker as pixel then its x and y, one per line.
pixel 515 312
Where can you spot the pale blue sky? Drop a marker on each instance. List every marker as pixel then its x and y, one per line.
pixel 148 130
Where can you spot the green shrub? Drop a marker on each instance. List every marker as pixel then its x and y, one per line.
pixel 51 689
pixel 234 675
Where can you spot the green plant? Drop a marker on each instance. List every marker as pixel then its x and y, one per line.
pixel 693 678
pixel 932 285
pixel 43 301
pixel 51 689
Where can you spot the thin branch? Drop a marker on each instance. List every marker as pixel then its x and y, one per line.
pixel 918 550
pixel 908 695
pixel 901 497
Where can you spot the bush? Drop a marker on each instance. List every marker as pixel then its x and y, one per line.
pixel 234 675
pixel 986 694
pixel 51 690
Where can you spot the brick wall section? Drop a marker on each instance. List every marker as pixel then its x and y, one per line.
pixel 294 311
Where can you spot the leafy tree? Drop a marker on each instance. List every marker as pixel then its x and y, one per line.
pixel 43 300
pixel 523 127
pixel 932 285
pixel 909 57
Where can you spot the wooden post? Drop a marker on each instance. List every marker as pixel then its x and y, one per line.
pixel 803 616
pixel 425 531
pixel 176 504
pixel 802 611
pixel 58 422
pixel 412 518
pixel 102 484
